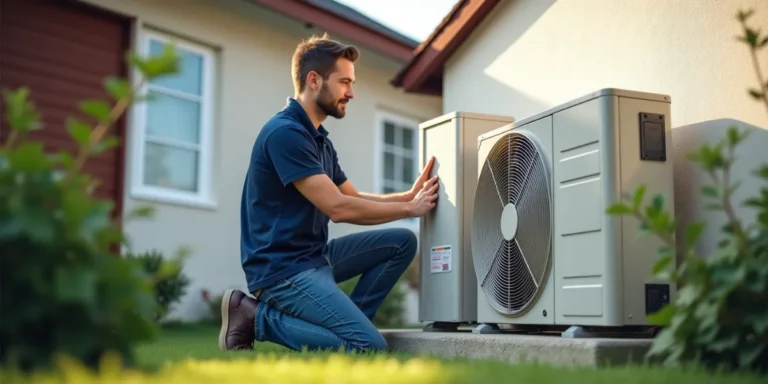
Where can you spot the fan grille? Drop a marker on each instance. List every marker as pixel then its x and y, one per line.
pixel 511 224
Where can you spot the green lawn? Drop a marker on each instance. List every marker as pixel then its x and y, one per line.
pixel 180 343
pixel 198 341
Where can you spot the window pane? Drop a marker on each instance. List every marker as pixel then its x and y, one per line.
pixel 407 174
pixel 389 133
pixel 389 166
pixel 389 190
pixel 170 167
pixel 170 117
pixel 407 138
pixel 189 78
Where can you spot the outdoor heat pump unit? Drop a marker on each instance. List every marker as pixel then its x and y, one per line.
pixel 448 288
pixel 546 255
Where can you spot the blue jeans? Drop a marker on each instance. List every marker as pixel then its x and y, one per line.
pixel 309 310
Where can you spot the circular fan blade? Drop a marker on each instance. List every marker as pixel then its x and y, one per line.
pixel 486 236
pixel 534 233
pixel 511 224
pixel 521 156
pixel 498 171
pixel 508 285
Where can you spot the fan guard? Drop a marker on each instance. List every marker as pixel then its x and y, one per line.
pixel 511 224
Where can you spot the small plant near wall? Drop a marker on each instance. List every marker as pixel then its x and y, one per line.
pixel 64 290
pixel 391 313
pixel 167 277
pixel 720 316
pixel 214 304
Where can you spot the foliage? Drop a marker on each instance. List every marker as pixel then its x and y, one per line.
pixel 214 305
pixel 392 310
pixel 411 274
pixel 64 289
pixel 167 277
pixel 720 316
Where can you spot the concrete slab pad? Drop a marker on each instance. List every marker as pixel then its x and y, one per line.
pixel 544 349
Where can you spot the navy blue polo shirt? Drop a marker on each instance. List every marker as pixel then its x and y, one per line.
pixel 283 233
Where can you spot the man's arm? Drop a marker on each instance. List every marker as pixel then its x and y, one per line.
pixel 343 208
pixel 346 187
pixel 349 190
pixel 297 162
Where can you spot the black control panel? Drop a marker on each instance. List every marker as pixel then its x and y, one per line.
pixel 653 144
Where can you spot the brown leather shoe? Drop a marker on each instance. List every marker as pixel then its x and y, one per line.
pixel 238 311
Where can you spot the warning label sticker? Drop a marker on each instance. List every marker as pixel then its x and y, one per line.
pixel 440 259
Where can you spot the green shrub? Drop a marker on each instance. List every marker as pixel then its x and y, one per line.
pixel 64 291
pixel 214 305
pixel 392 310
pixel 720 316
pixel 167 276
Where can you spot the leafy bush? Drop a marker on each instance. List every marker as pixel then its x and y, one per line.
pixel 214 305
pixel 411 274
pixel 63 289
pixel 169 281
pixel 391 312
pixel 720 316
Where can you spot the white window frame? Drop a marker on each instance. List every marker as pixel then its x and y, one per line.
pixel 378 163
pixel 203 197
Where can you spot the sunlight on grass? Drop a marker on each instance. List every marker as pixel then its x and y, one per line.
pixel 188 354
pixel 336 368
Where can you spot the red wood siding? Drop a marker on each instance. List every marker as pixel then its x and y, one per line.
pixel 62 52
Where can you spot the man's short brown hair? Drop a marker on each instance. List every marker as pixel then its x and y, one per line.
pixel 319 54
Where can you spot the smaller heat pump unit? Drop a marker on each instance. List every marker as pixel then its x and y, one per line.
pixel 546 254
pixel 447 285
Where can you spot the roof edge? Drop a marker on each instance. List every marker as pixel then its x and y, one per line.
pixel 423 73
pixel 358 17
pixel 338 24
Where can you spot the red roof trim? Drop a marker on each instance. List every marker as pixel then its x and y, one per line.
pixel 338 25
pixel 423 74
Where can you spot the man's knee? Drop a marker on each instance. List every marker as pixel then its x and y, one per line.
pixel 371 341
pixel 378 343
pixel 407 242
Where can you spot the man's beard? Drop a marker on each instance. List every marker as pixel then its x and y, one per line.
pixel 329 105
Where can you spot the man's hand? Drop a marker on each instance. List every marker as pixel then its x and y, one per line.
pixel 419 183
pixel 425 198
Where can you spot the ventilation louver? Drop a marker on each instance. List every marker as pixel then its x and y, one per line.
pixel 511 224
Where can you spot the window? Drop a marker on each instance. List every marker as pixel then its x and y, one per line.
pixel 398 159
pixel 173 131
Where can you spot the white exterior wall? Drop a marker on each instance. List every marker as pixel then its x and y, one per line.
pixel 530 55
pixel 251 80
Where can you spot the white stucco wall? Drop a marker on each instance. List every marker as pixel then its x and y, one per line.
pixel 530 55
pixel 252 82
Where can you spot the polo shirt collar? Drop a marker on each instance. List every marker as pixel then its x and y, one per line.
pixel 293 107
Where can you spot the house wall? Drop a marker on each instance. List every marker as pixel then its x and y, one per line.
pixel 529 55
pixel 57 63
pixel 252 50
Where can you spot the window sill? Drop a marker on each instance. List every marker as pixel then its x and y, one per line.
pixel 174 198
